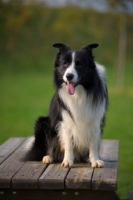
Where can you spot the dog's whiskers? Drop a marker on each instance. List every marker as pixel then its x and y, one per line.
pixel 60 77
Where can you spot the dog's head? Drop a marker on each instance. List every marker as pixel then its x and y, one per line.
pixel 74 67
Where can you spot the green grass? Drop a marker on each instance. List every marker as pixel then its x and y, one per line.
pixel 119 125
pixel 25 96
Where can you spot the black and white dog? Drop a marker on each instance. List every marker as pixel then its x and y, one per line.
pixel 72 130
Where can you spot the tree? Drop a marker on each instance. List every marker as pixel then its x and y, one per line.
pixel 123 7
pixel 122 50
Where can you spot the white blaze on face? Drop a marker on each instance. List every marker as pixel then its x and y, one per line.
pixel 70 85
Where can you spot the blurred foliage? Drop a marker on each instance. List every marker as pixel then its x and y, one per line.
pixel 27 32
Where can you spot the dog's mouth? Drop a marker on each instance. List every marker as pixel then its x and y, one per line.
pixel 70 87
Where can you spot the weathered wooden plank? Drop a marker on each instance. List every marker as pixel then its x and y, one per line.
pixel 12 164
pixel 131 195
pixel 109 150
pixel 53 177
pixel 79 177
pixel 27 177
pixel 105 178
pixel 8 147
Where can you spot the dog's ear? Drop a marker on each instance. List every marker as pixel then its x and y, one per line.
pixel 61 46
pixel 90 47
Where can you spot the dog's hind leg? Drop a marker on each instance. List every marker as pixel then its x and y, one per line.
pixel 42 140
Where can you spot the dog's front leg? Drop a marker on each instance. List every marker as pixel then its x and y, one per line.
pixel 68 153
pixel 94 148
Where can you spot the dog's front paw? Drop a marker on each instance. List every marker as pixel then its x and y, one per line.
pixel 67 163
pixel 97 163
pixel 47 159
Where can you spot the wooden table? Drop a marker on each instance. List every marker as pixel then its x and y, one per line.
pixel 21 180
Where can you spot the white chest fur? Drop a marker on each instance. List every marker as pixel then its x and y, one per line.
pixel 86 119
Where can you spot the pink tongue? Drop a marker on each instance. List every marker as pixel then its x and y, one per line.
pixel 70 88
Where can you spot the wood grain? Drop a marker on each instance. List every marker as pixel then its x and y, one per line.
pixel 12 164
pixel 131 195
pixel 109 150
pixel 27 177
pixel 53 177
pixel 18 174
pixel 79 177
pixel 7 148
pixel 106 178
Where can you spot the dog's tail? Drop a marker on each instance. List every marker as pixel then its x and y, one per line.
pixel 41 141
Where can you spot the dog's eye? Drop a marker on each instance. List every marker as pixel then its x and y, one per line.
pixel 65 64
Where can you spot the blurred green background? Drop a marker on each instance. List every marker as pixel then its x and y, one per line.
pixel 27 32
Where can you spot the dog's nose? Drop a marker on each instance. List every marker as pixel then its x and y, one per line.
pixel 69 77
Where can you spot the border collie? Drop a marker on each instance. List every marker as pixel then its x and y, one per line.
pixel 72 130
